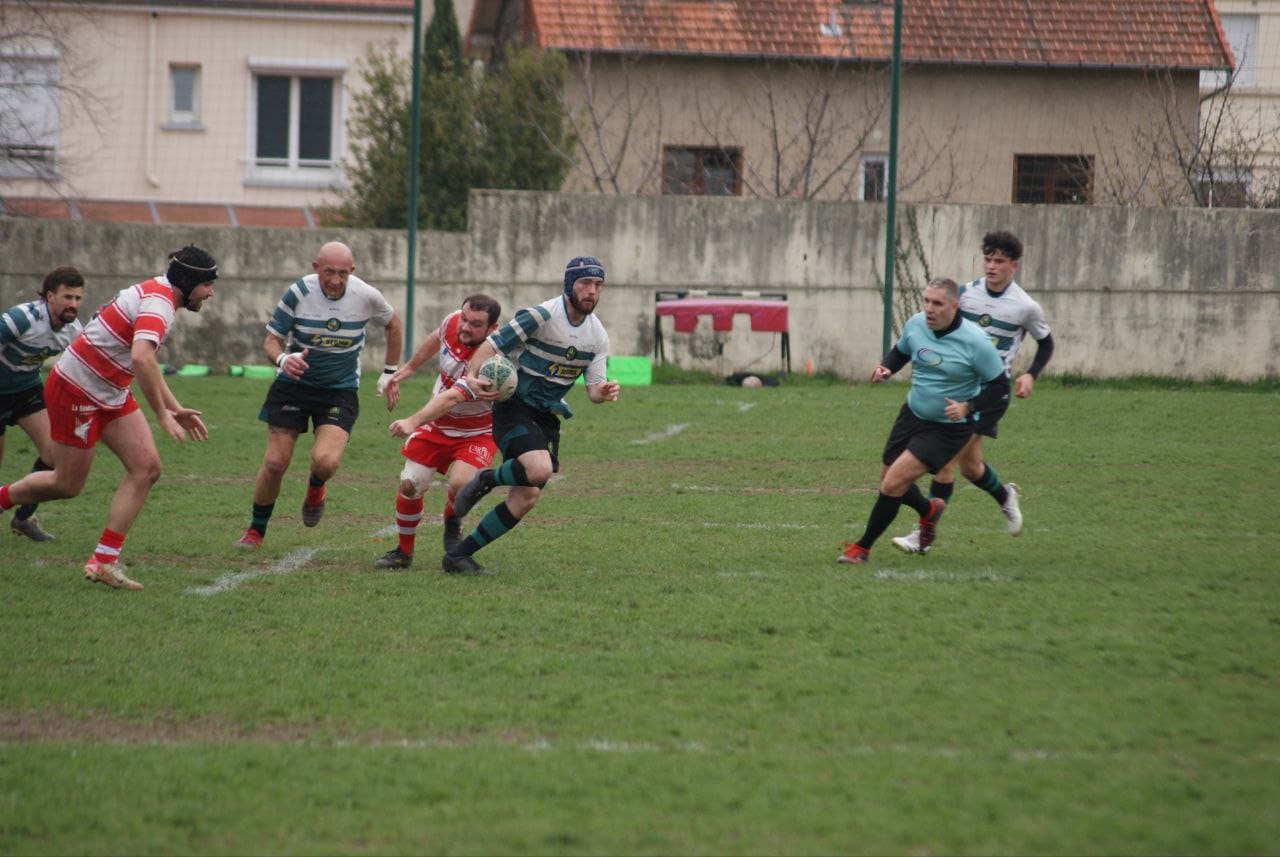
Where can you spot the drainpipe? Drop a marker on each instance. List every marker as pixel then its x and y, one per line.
pixel 149 131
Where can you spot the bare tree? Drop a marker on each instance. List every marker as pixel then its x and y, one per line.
pixel 43 69
pixel 1200 149
pixel 617 123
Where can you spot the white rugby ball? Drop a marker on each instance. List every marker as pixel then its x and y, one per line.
pixel 502 373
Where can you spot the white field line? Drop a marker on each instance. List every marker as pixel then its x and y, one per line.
pixel 929 576
pixel 671 431
pixel 291 561
pixel 745 406
pixel 738 489
pixel 1023 755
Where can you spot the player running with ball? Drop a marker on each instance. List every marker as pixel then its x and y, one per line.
pixel 551 344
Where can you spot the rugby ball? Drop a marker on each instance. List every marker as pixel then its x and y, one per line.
pixel 501 372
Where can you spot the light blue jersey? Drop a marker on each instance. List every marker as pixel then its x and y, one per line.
pixel 954 366
pixel 551 352
pixel 331 330
pixel 27 339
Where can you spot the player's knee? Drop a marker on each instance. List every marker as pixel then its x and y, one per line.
pixel 412 489
pixel 325 466
pixel 538 474
pixel 148 470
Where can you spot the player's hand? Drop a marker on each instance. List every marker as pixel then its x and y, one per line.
pixel 1023 385
pixel 189 420
pixel 609 391
pixel 403 428
pixel 483 388
pixel 880 374
pixel 957 412
pixel 294 365
pixel 391 387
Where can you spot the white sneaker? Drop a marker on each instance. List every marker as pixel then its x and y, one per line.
pixel 910 543
pixel 110 573
pixel 1010 509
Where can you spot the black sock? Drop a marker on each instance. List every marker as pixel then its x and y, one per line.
pixel 882 515
pixel 27 510
pixel 916 500
pixel 941 490
pixel 261 515
pixel 315 481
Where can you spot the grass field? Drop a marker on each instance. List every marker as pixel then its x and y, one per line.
pixel 669 659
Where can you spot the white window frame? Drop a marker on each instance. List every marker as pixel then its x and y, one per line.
pixel 291 172
pixel 184 120
pixel 1242 34
pixel 24 166
pixel 883 160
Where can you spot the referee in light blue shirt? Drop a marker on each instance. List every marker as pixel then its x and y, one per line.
pixel 956 373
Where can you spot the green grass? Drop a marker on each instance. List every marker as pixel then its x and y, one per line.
pixel 668 659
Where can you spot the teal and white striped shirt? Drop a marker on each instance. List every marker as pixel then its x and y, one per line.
pixel 332 330
pixel 27 339
pixel 550 353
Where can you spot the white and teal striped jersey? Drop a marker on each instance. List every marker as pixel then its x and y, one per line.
pixel 27 339
pixel 1005 317
pixel 332 330
pixel 550 353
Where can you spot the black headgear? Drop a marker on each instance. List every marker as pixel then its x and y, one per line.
pixel 189 267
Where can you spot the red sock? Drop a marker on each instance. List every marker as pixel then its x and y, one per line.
pixel 448 505
pixel 109 546
pixel 315 496
pixel 408 516
pixel 5 502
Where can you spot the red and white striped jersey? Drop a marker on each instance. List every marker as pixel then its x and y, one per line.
pixel 100 361
pixel 466 419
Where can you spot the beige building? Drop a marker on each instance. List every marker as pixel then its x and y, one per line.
pixel 1001 101
pixel 195 112
pixel 1245 117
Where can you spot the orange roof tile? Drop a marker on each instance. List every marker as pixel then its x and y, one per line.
pixel 193 214
pixel 358 6
pixel 141 211
pixel 45 209
pixel 251 215
pixel 115 212
pixel 1165 34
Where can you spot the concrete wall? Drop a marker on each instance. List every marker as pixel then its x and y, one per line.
pixel 1186 293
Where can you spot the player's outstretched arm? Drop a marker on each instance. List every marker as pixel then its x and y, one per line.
pixel 439 405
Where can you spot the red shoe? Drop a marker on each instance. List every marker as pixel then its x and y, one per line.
pixel 313 507
pixel 251 539
pixel 854 554
pixel 929 523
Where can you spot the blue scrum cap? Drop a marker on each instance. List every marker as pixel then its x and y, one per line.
pixel 579 267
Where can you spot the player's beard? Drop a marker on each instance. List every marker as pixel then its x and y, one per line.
pixel 573 299
pixel 68 315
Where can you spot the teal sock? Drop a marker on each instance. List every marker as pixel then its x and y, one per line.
pixel 990 482
pixel 497 523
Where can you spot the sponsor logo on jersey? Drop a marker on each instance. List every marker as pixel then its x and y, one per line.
pixel 928 357
pixel 556 370
pixel 332 342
